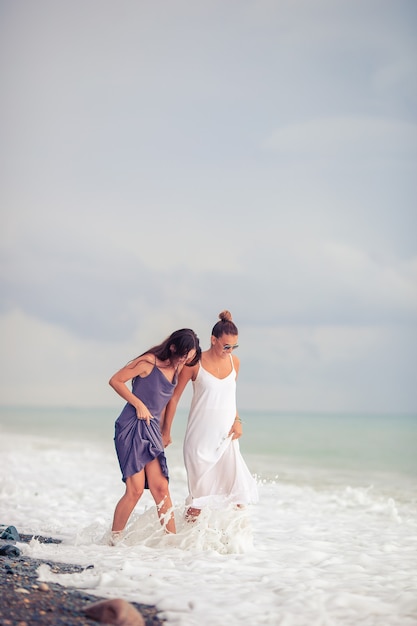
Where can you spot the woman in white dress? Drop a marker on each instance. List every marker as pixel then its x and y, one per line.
pixel 217 473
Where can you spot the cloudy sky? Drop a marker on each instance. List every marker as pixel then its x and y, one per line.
pixel 164 160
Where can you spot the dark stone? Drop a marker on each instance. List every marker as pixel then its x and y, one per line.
pixel 9 550
pixel 10 534
pixel 40 538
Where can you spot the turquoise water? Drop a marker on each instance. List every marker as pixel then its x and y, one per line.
pixel 379 442
pixel 350 441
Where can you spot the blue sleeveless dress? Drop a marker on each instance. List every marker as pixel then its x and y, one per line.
pixel 137 443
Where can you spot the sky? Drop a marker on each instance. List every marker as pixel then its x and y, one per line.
pixel 164 160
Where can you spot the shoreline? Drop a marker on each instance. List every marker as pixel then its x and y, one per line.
pixel 25 600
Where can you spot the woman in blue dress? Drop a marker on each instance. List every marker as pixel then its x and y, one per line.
pixel 138 440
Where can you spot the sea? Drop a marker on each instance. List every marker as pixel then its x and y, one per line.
pixel 331 542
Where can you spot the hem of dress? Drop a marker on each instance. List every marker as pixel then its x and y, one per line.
pixel 218 502
pixel 163 466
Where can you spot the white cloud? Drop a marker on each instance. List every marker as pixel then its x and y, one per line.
pixel 162 165
pixel 398 75
pixel 44 364
pixel 367 368
pixel 282 367
pixel 347 138
pixel 326 282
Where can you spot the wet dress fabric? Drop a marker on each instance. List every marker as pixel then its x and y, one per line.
pixel 217 473
pixel 137 443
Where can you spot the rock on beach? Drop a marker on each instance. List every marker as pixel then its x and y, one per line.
pixel 115 611
pixel 25 601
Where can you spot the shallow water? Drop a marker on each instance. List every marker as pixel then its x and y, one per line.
pixel 333 540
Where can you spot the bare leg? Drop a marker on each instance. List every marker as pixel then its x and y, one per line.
pixel 134 489
pixel 165 511
pixel 158 486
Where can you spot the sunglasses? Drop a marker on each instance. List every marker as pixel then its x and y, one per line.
pixel 228 346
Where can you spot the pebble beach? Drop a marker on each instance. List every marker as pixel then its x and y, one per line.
pixel 25 600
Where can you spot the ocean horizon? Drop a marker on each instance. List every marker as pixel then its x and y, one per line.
pixel 333 539
pixel 338 440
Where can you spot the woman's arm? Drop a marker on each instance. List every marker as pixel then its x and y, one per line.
pixel 236 430
pixel 186 374
pixel 140 367
pixel 236 364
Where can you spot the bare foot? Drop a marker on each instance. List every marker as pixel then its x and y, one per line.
pixel 192 514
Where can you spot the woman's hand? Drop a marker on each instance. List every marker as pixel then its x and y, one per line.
pixel 236 430
pixel 142 412
pixel 166 438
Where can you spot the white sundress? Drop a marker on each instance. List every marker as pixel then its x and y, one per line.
pixel 217 473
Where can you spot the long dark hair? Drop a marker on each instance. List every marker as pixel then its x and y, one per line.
pixel 224 326
pixel 177 345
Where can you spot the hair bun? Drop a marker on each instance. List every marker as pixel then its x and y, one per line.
pixel 225 316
